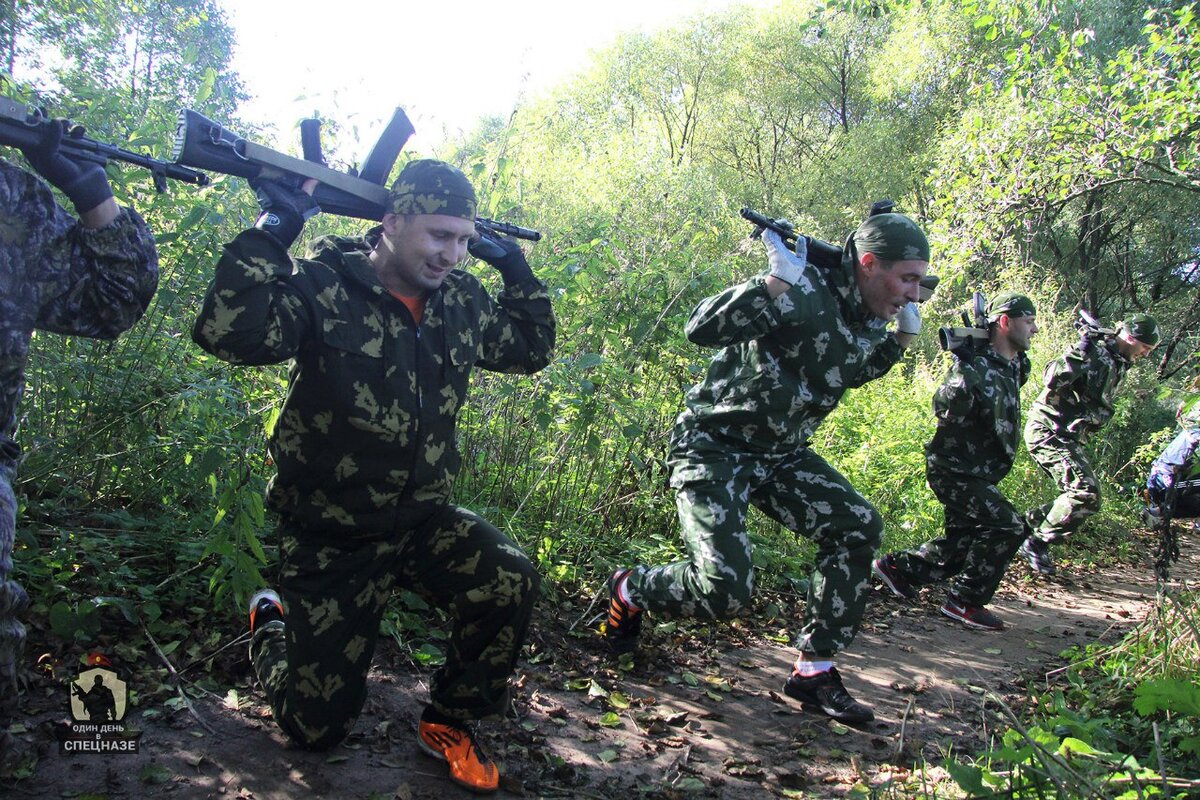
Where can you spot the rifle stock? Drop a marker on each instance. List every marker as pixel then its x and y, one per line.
pixel 23 126
pixel 204 144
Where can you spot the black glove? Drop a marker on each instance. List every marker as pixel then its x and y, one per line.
pixel 285 209
pixel 83 182
pixel 502 253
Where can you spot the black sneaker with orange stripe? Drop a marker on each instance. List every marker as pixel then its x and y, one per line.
pixel 623 623
pixel 454 742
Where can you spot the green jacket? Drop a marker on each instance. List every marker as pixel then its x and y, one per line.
pixel 1080 387
pixel 978 410
pixel 366 432
pixel 785 362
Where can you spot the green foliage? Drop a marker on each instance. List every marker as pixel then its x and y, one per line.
pixel 1081 740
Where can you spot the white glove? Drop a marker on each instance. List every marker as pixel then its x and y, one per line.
pixel 909 319
pixel 784 264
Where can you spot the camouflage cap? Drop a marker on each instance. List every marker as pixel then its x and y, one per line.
pixel 427 186
pixel 1014 304
pixel 892 237
pixel 1142 327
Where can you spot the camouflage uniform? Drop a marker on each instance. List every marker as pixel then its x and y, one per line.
pixel 366 458
pixel 785 364
pixel 1077 400
pixel 57 276
pixel 978 409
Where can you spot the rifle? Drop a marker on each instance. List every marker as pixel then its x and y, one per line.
pixel 362 194
pixel 822 254
pixel 23 126
pixel 974 328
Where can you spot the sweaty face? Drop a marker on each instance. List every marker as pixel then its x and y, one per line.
pixel 1020 331
pixel 888 288
pixel 418 252
pixel 1131 348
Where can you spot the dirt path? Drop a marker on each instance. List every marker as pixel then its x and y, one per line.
pixel 698 715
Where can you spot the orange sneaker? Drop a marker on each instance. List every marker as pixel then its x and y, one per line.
pixel 456 745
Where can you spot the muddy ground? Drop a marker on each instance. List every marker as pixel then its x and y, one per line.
pixel 699 713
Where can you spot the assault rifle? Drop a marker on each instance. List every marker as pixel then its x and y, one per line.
pixel 974 329
pixel 362 194
pixel 822 254
pixel 23 126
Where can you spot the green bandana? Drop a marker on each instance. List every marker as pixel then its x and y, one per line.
pixel 426 186
pixel 1142 327
pixel 892 237
pixel 1011 303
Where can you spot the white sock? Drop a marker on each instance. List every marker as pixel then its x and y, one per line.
pixel 623 593
pixel 806 669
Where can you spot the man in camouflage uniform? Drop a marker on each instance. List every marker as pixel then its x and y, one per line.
pixel 1077 401
pixel 91 275
pixel 978 410
pixel 793 341
pixel 382 334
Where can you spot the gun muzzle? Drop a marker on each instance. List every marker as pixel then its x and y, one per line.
pixel 508 229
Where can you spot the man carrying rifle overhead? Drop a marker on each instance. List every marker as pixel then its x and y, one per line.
pixel 91 274
pixel 792 342
pixel 382 333
pixel 1080 387
pixel 978 410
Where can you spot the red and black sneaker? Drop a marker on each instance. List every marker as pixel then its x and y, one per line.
pixel 885 569
pixel 454 743
pixel 971 616
pixel 623 623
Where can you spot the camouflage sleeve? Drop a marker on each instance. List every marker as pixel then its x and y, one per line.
pixel 1064 371
pixel 89 282
pixel 746 312
pixel 518 329
pixel 252 312
pixel 954 400
pixel 885 356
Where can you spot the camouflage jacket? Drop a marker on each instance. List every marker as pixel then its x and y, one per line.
pixel 785 362
pixel 58 276
pixel 1080 387
pixel 366 432
pixel 978 410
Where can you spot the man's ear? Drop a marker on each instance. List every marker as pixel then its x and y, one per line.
pixel 390 223
pixel 1005 322
pixel 869 262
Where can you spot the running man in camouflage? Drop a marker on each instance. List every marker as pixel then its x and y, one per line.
pixel 382 333
pixel 978 410
pixel 88 275
pixel 793 341
pixel 1077 401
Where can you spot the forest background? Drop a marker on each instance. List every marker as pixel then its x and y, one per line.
pixel 1047 147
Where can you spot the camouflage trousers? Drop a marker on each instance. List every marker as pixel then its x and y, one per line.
pixel 1064 460
pixel 13 601
pixel 714 489
pixel 983 532
pixel 313 666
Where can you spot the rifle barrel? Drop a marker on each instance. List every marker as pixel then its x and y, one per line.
pixel 508 229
